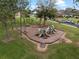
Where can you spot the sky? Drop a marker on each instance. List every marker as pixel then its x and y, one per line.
pixel 60 4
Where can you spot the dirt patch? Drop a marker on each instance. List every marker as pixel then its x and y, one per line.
pixel 40 48
pixel 66 40
pixel 32 31
pixel 76 43
pixel 6 40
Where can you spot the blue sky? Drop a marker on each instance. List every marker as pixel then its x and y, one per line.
pixel 60 4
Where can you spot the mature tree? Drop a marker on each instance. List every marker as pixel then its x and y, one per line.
pixel 45 9
pixel 71 12
pixel 25 15
pixel 52 13
pixel 76 2
pixel 68 11
pixel 22 4
pixel 8 9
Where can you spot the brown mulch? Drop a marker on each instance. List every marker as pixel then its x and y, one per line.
pixel 32 31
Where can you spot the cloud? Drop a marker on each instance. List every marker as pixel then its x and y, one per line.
pixel 60 3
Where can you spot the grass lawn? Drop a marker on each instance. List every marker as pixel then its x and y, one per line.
pixel 23 49
pixel 72 19
pixel 72 32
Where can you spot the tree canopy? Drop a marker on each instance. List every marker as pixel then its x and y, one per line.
pixel 8 8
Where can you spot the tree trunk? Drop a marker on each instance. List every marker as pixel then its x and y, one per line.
pixel 40 22
pixel 6 31
pixel 20 23
pixel 44 21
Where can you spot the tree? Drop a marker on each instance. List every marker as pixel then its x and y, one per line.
pixel 76 2
pixel 22 4
pixel 68 11
pixel 25 14
pixel 45 10
pixel 71 12
pixel 52 13
pixel 8 9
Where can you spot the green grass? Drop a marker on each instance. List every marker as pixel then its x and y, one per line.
pixel 18 50
pixel 2 32
pixel 72 19
pixel 71 32
pixel 23 49
pixel 63 51
pixel 28 21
